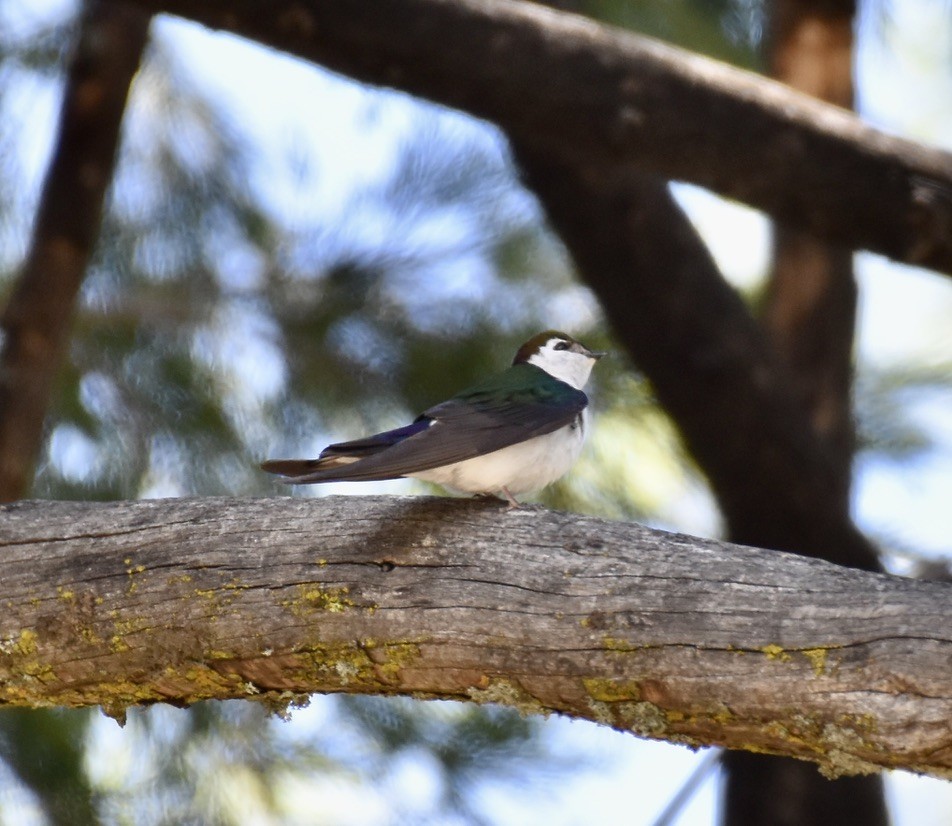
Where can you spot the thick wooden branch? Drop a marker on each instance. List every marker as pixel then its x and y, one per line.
pixel 607 100
pixel 664 635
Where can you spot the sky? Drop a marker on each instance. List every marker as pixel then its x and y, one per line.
pixel 903 318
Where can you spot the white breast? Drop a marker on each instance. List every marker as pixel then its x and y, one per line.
pixel 520 468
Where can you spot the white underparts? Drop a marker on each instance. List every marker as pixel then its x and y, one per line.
pixel 521 468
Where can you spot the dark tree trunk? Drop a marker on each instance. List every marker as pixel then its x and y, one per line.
pixel 811 300
pixel 781 791
pixel 35 323
pixel 809 315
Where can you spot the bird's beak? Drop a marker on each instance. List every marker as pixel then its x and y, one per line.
pixel 597 354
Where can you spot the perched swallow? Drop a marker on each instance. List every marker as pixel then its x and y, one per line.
pixel 515 432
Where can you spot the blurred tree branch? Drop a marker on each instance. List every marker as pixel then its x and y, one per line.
pixel 601 99
pixel 664 635
pixel 35 323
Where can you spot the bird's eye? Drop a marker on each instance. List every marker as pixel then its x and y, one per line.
pixel 562 345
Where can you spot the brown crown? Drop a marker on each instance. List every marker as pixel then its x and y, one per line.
pixel 534 344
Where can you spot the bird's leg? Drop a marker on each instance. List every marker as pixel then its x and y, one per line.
pixel 511 499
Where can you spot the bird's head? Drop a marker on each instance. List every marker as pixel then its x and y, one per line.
pixel 561 356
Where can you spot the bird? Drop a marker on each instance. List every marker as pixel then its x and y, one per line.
pixel 514 433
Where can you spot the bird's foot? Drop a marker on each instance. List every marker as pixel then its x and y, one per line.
pixel 513 503
pixel 503 494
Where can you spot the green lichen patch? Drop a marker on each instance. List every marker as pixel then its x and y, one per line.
pixel 281 703
pixel 313 598
pixel 817 658
pixel 602 712
pixel 508 693
pixel 775 652
pixel 366 664
pixel 717 714
pixel 613 644
pixel 839 763
pixel 836 745
pixel 26 643
pixel 611 690
pixel 642 718
pixel 842 740
pixel 639 717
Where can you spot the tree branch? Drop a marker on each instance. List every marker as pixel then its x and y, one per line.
pixel 601 99
pixel 664 635
pixel 34 327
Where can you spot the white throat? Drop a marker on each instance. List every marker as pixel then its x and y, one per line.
pixel 564 365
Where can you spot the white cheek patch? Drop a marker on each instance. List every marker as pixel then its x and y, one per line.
pixel 564 365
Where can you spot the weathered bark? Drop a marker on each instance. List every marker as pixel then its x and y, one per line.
pixel 668 636
pixel 809 317
pixel 582 92
pixel 34 327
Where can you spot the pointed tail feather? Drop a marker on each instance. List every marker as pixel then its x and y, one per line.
pixel 293 468
pixel 290 467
